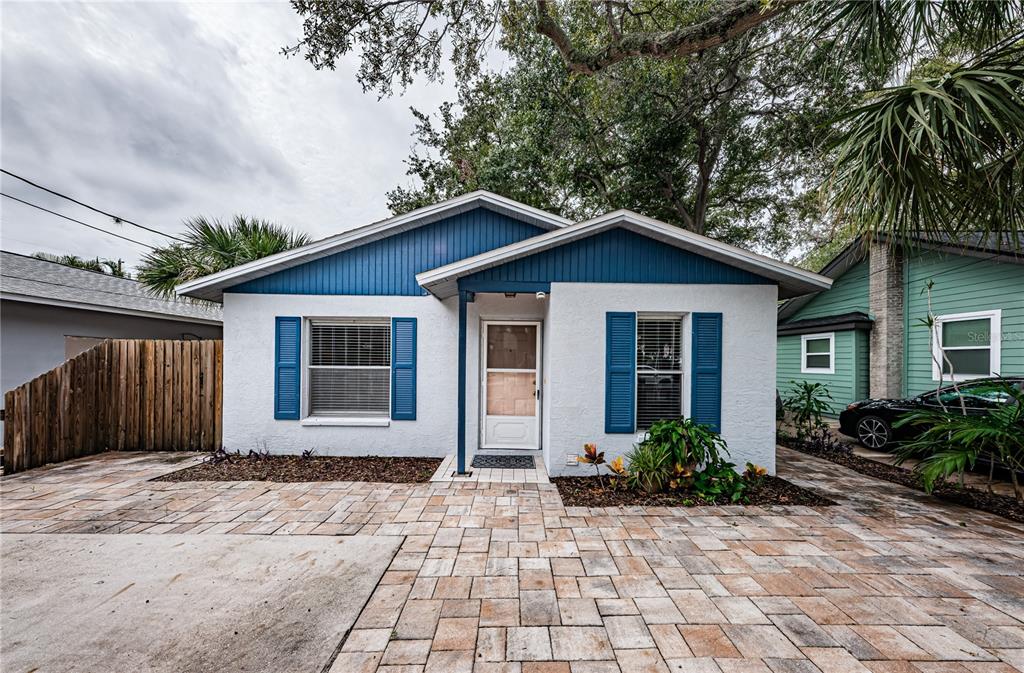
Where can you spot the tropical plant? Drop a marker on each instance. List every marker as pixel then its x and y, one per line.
pixel 690 444
pixel 111 267
pixel 213 246
pixel 621 475
pixel 650 466
pixel 754 474
pixel 952 442
pixel 591 456
pixel 807 402
pixel 718 480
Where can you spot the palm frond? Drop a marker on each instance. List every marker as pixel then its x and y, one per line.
pixel 938 157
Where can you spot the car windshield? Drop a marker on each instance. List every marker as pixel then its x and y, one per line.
pixel 984 394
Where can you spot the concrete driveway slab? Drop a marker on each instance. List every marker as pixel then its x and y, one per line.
pixel 183 603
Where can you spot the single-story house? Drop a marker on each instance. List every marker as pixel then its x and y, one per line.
pixel 866 336
pixel 50 313
pixel 482 323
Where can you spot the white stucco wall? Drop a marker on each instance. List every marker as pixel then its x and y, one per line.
pixel 249 377
pixel 576 338
pixel 573 342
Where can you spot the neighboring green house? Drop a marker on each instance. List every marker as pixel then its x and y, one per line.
pixel 865 337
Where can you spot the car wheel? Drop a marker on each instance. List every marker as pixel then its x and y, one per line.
pixel 874 433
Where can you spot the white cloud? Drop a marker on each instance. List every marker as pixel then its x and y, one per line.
pixel 158 112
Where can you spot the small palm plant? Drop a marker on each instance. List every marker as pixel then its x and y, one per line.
pixel 952 442
pixel 807 402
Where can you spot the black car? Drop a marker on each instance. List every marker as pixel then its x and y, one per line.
pixel 871 421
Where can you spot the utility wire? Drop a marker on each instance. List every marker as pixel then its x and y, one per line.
pixel 53 212
pixel 117 219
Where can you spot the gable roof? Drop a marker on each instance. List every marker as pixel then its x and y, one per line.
pixel 38 281
pixel 212 287
pixel 972 245
pixel 443 281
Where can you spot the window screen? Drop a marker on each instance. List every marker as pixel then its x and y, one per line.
pixel 968 346
pixel 818 353
pixel 349 368
pixel 659 369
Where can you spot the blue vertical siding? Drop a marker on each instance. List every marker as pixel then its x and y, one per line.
pixel 389 266
pixel 617 256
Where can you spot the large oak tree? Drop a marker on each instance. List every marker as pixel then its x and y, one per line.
pixel 937 151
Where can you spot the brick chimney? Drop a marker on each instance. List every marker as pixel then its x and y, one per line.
pixel 885 302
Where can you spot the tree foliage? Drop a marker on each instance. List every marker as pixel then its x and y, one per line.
pixel 722 144
pixel 111 267
pixel 213 246
pixel 937 152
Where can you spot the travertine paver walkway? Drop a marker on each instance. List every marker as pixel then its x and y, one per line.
pixel 504 578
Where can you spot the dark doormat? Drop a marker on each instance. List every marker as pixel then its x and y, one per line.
pixel 503 462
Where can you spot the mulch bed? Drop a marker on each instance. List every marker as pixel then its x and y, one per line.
pixel 315 468
pixel 974 498
pixel 588 492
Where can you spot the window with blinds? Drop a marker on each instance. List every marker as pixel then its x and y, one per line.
pixel 659 369
pixel 349 368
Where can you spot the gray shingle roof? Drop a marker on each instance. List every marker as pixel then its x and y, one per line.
pixel 37 280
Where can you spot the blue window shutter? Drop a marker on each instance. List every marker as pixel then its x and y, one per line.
pixel 620 373
pixel 706 391
pixel 287 364
pixel 403 369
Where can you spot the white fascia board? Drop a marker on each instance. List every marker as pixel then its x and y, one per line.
pixel 442 280
pixel 100 308
pixel 210 287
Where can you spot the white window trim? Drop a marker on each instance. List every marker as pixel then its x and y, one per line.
pixel 683 370
pixel 307 417
pixel 995 317
pixel 831 369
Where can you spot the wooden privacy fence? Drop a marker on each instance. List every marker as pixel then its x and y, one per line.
pixel 121 395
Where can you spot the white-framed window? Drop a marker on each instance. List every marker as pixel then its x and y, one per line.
pixel 967 345
pixel 818 353
pixel 659 368
pixel 349 367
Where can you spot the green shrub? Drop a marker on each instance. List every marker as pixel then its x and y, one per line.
pixel 689 444
pixel 951 441
pixel 807 402
pixel 650 466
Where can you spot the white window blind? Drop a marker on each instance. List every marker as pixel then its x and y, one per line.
pixel 659 369
pixel 349 368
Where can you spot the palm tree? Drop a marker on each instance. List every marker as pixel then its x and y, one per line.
pixel 111 267
pixel 213 246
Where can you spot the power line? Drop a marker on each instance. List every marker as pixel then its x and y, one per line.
pixel 117 218
pixel 53 212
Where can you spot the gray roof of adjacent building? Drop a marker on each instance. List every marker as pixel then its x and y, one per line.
pixel 33 280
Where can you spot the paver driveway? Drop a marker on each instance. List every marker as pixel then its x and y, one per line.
pixel 505 578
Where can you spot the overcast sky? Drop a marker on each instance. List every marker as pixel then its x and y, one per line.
pixel 160 111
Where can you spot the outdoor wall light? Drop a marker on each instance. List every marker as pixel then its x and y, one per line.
pixel 510 295
pixel 542 295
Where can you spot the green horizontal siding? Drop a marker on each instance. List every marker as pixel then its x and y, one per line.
pixel 843 385
pixel 961 285
pixel 849 293
pixel 863 364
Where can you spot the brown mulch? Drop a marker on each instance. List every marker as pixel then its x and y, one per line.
pixel 588 492
pixel 315 468
pixel 967 496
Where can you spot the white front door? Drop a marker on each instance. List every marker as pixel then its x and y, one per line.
pixel 510 385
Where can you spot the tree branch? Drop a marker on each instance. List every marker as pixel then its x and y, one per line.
pixel 737 17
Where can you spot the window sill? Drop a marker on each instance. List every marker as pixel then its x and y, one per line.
pixel 346 422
